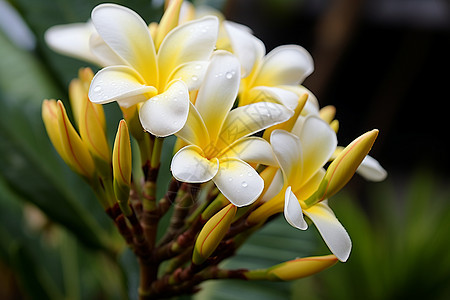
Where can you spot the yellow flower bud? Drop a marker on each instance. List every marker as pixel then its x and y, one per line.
pixel 122 163
pixel 212 233
pixel 92 133
pixel 300 268
pixel 327 113
pixel 75 150
pixel 341 170
pixel 50 118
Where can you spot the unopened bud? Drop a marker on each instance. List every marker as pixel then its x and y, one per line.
pixel 75 150
pixel 341 170
pixel 295 269
pixel 212 233
pixel 122 163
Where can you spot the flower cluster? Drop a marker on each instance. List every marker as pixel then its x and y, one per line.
pixel 252 142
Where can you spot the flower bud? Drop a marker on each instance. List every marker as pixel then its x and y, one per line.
pixel 122 163
pixel 92 133
pixel 50 118
pixel 76 152
pixel 341 170
pixel 327 113
pixel 294 269
pixel 212 233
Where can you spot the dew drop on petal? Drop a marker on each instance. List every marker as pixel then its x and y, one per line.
pixel 230 178
pixel 97 89
pixel 249 174
pixel 229 75
pixel 198 67
pixel 244 184
pixel 194 77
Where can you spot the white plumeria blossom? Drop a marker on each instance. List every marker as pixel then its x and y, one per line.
pixel 273 77
pixel 220 147
pixel 161 79
pixel 301 157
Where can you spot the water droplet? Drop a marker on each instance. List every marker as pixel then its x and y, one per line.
pixel 175 99
pixel 230 178
pixel 194 77
pixel 229 75
pixel 244 184
pixel 249 174
pixel 241 175
pixel 198 67
pixel 97 89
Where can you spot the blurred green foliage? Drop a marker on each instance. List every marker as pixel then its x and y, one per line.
pixel 400 248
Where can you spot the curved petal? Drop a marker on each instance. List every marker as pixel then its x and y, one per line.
pixel 371 169
pixel 128 35
pixel 289 64
pixel 192 41
pixel 192 73
pixel 121 84
pixel 105 55
pixel 252 150
pixel 166 113
pixel 189 165
pixel 72 40
pixel 249 119
pixel 248 48
pixel 275 187
pixel 318 142
pixel 293 211
pixel 304 190
pixel 273 94
pixel 194 131
pixel 218 91
pixel 289 153
pixel 312 105
pixel 331 230
pixel 238 182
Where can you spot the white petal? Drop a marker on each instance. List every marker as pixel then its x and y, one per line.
pixel 192 73
pixel 252 150
pixel 289 64
pixel 218 91
pixel 249 119
pixel 121 84
pixel 128 35
pixel 371 169
pixel 194 131
pixel 192 41
pixel 288 150
pixel 238 182
pixel 293 211
pixel 312 105
pixel 332 231
pixel 188 165
pixel 249 49
pixel 318 142
pixel 104 53
pixel 166 113
pixel 274 94
pixel 72 40
pixel 275 187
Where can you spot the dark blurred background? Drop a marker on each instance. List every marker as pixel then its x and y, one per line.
pixel 383 64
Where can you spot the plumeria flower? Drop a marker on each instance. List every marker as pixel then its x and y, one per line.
pixel 219 145
pixel 275 76
pixel 302 157
pixel 161 79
